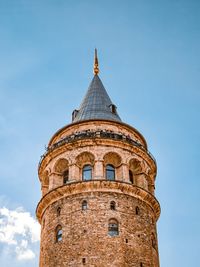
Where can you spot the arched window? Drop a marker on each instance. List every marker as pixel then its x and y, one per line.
pixel 87 173
pixel 58 233
pixel 84 205
pixel 112 205
pixel 110 172
pixel 58 211
pixel 131 177
pixel 137 210
pixel 65 176
pixel 113 228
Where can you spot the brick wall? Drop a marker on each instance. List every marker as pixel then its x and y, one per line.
pixel 85 232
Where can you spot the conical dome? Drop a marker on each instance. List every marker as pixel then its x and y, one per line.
pixel 96 104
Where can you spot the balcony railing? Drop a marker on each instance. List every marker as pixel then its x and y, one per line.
pixel 93 135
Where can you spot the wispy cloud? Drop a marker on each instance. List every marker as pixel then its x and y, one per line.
pixel 18 231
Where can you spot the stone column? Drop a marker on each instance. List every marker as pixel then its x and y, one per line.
pixel 98 170
pixel 124 172
pixel 142 181
pixel 74 173
pixel 55 180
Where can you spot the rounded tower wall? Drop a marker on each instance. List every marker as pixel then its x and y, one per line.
pixel 103 148
pixel 86 232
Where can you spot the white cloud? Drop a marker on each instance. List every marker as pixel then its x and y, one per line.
pixel 23 252
pixel 19 230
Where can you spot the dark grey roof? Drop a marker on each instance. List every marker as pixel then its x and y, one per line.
pixel 96 104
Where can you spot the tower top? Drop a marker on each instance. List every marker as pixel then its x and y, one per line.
pixel 96 63
pixel 96 103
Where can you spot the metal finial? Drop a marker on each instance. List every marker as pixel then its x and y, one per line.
pixel 96 64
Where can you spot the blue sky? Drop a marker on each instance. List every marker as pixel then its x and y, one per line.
pixel 149 63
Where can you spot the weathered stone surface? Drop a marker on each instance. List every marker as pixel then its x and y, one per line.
pixel 85 239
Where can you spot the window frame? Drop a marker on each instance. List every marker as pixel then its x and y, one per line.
pixel 113 227
pixel 59 234
pixel 131 179
pixel 84 205
pixel 110 169
pixel 84 171
pixel 112 205
pixel 65 176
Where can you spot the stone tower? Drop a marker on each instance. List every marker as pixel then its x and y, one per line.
pixel 98 178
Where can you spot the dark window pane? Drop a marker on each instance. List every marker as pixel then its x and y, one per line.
pixel 58 211
pixel 84 205
pixel 131 177
pixel 137 210
pixel 112 205
pixel 65 176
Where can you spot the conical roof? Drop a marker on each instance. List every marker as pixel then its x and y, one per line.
pixel 96 104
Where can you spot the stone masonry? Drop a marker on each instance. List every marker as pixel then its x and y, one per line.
pixel 98 221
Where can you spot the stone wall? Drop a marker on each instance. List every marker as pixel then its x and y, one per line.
pixel 85 239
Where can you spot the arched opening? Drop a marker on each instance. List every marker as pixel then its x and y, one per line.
pixel 110 172
pixel 59 233
pixel 65 176
pixel 112 205
pixel 113 227
pixel 112 162
pixel 85 162
pixel 62 169
pixel 136 172
pixel 61 166
pixel 84 205
pixel 131 177
pixel 87 172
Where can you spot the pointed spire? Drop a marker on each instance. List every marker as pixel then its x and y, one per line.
pixel 96 63
pixel 96 104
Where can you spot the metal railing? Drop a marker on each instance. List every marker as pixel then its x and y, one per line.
pixel 88 134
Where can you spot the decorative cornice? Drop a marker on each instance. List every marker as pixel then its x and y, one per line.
pixel 115 123
pixel 97 186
